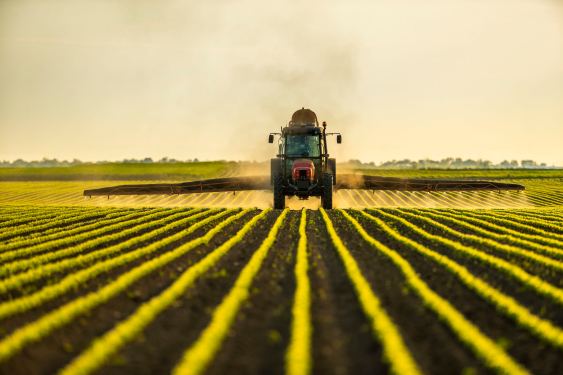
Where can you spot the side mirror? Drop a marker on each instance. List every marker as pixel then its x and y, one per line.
pixel 338 138
pixel 271 138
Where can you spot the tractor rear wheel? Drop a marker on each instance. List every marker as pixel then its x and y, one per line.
pixel 326 198
pixel 279 197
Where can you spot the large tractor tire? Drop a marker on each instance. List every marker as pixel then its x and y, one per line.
pixel 279 196
pixel 332 169
pixel 326 198
pixel 275 168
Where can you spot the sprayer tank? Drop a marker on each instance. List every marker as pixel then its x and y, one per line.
pixel 304 117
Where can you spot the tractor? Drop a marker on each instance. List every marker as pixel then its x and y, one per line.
pixel 302 167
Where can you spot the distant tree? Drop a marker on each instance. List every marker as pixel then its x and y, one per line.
pixel 528 164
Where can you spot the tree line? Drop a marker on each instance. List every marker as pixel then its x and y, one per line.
pixel 446 163
pixel 450 163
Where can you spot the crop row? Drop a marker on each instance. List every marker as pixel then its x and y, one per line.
pixel 81 276
pixel 510 269
pixel 458 221
pixel 32 259
pixel 52 236
pixel 20 218
pixel 480 242
pixel 500 227
pixel 491 353
pixel 166 235
pixel 86 240
pixel 125 331
pixel 60 214
pixel 65 230
pixel 198 356
pixel 63 315
pixel 298 357
pixel 37 255
pixel 532 226
pixel 394 349
pixel 48 223
pixel 504 303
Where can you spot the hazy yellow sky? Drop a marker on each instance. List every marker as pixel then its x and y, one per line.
pixel 209 79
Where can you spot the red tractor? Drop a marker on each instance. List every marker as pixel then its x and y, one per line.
pixel 302 166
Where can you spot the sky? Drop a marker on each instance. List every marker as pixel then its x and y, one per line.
pixel 110 79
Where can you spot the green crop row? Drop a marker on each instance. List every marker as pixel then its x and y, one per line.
pixel 298 356
pixel 394 349
pixel 79 277
pixel 503 238
pixel 550 215
pixel 535 226
pixel 36 330
pixel 491 353
pixel 532 282
pixel 145 222
pixel 33 211
pixel 66 230
pixel 54 234
pixel 539 214
pixel 48 223
pixel 22 218
pixel 110 343
pixel 198 356
pixel 53 238
pixel 488 243
pixel 504 303
pixel 491 224
pixel 73 244
pixel 517 226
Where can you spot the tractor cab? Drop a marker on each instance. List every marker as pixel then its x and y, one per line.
pixel 303 145
pixel 302 167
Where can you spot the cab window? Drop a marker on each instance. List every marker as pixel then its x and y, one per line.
pixel 302 146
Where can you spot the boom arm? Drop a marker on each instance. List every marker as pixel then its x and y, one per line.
pixel 346 181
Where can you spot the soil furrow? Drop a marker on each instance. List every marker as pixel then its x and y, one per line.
pixel 519 342
pixel 56 350
pixel 343 342
pixel 420 328
pixel 164 341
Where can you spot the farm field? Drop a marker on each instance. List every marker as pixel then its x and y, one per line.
pixel 538 193
pixel 389 282
pixel 191 290
pixel 232 188
pixel 123 171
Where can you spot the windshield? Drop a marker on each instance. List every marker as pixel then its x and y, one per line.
pixel 302 145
